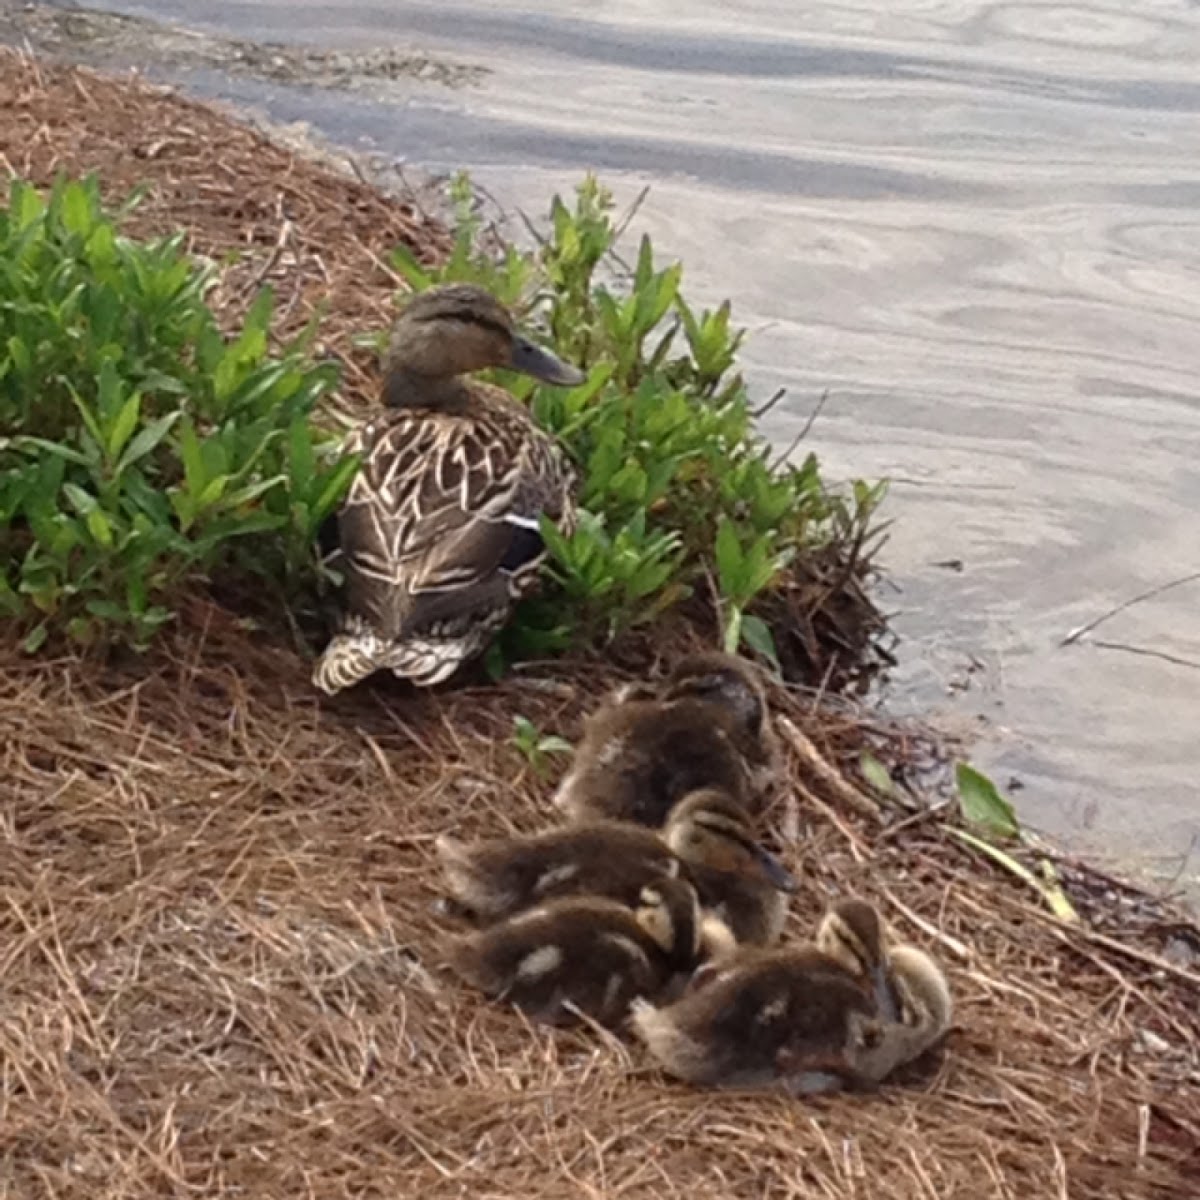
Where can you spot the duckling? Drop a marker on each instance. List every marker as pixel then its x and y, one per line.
pixel 586 954
pixel 612 859
pixel 708 840
pixel 842 1013
pixel 438 536
pixel 736 685
pixel 791 1018
pixel 645 749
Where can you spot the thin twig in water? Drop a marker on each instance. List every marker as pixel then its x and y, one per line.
pixel 763 409
pixel 812 416
pixel 1080 630
pixel 631 212
pixel 1148 652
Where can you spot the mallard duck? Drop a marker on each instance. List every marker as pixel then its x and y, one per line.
pixel 805 1019
pixel 708 839
pixel 439 534
pixel 646 748
pixel 585 954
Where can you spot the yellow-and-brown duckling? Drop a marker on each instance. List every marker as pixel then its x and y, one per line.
pixel 910 991
pixel 586 954
pixel 805 1019
pixel 439 534
pixel 708 839
pixel 647 747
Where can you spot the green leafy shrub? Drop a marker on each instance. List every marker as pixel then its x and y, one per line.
pixel 679 492
pixel 140 448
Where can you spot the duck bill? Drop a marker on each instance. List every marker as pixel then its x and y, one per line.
pixel 543 364
pixel 776 872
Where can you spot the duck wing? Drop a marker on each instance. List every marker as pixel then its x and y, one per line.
pixel 442 519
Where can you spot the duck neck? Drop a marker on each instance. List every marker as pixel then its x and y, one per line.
pixel 404 387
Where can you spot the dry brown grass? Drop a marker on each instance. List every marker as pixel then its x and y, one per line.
pixel 220 969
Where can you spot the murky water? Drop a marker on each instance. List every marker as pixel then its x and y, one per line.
pixel 978 225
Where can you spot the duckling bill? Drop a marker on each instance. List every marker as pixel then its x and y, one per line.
pixel 439 536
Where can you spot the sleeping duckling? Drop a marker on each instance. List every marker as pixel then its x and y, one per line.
pixel 708 840
pixel 909 988
pixel 612 859
pixel 439 535
pixel 790 1018
pixel 645 749
pixel 586 954
pixel 806 1019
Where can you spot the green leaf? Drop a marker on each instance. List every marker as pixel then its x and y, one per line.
pixel 983 806
pixel 728 551
pixel 35 639
pixel 82 502
pixel 551 743
pixel 124 425
pixel 733 630
pixel 875 773
pixel 100 528
pixel 76 208
pixel 336 485
pixel 756 633
pixel 147 439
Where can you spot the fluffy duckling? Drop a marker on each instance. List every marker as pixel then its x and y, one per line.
pixel 843 1013
pixel 792 1018
pixel 708 839
pixel 647 747
pixel 502 876
pixel 438 536
pixel 909 988
pixel 586 954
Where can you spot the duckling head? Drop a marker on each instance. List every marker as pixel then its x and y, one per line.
pixel 669 911
pixel 726 680
pixel 853 933
pixel 710 828
pixel 452 330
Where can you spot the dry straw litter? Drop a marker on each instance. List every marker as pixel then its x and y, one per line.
pixel 220 968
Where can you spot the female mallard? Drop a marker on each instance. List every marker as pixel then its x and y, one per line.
pixel 438 537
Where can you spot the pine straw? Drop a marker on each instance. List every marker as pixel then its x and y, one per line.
pixel 222 969
pixel 219 956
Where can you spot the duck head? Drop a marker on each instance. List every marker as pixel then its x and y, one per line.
pixel 710 828
pixel 853 933
pixel 452 330
pixel 724 680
